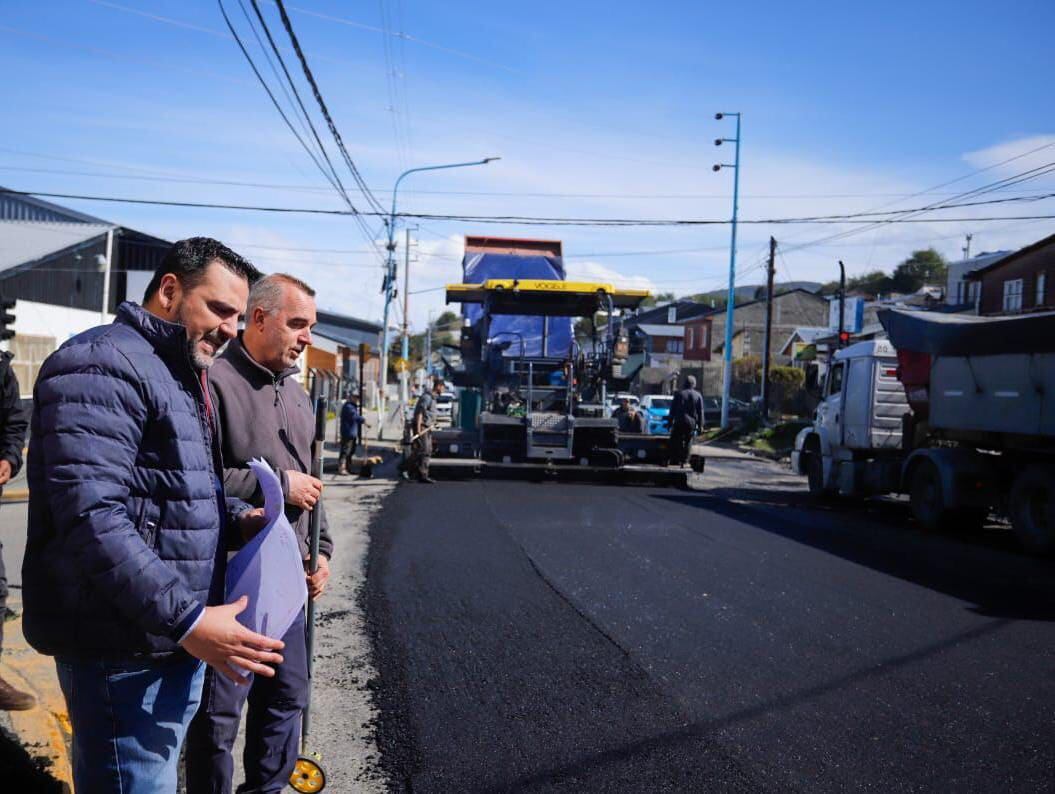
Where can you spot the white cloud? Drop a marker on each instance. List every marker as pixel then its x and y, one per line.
pixel 597 272
pixel 1039 150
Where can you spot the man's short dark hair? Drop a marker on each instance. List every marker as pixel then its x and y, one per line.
pixel 188 260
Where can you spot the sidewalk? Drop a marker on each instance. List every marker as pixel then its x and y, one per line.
pixel 43 732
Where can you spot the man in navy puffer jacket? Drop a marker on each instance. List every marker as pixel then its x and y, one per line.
pixel 123 572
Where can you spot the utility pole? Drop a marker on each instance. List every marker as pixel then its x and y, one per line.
pixel 104 310
pixel 727 370
pixel 769 327
pixel 404 396
pixel 842 300
pixel 390 275
pixel 967 247
pixel 428 348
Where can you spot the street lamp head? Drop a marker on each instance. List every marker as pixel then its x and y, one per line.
pixel 717 141
pixel 717 168
pixel 490 159
pixel 719 116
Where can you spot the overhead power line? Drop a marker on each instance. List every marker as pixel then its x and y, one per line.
pixel 871 226
pixel 537 221
pixel 363 187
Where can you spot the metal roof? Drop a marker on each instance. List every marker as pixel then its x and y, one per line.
pixel 25 242
pixel 16 206
pixel 345 330
pixel 808 334
pixel 662 330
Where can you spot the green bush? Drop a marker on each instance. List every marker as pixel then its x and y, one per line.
pixel 791 378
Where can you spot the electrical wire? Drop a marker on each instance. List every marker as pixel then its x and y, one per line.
pixel 331 175
pixel 363 187
pixel 999 184
pixel 536 221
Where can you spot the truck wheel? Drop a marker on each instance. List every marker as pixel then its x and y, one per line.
pixel 1032 508
pixel 927 498
pixel 815 474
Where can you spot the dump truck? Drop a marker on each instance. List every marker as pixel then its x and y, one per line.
pixel 533 402
pixel 956 411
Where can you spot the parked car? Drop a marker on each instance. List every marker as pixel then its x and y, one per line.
pixel 712 410
pixel 657 409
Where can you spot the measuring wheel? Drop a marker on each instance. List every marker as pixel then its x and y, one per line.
pixel 307 775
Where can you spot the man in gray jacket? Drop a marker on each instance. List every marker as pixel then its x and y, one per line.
pixel 264 413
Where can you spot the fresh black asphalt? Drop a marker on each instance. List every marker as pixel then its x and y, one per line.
pixel 540 637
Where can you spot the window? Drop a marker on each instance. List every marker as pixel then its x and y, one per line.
pixel 972 292
pixel 1042 279
pixel 690 343
pixel 674 345
pixel 835 379
pixel 1013 295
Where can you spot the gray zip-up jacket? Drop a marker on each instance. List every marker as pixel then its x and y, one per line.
pixel 266 415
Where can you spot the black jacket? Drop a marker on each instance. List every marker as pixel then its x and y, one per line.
pixel 686 410
pixel 13 419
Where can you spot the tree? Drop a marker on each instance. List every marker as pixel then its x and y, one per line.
pixel 874 283
pixel 923 267
pixel 662 297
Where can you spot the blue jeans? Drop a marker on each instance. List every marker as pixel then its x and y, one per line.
pixel 129 721
pixel 272 726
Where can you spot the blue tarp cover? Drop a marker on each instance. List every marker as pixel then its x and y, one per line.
pixel 477 268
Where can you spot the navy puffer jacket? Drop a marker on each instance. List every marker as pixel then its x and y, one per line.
pixel 124 511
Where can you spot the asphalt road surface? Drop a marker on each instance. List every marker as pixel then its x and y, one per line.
pixel 590 638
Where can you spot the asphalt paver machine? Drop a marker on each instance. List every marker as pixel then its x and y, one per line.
pixel 528 409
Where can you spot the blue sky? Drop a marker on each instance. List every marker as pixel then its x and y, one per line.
pixel 605 108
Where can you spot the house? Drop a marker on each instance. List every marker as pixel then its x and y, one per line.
pixel 793 308
pixel 959 290
pixel 1017 282
pixel 801 344
pixel 697 339
pixel 54 262
pixel 335 349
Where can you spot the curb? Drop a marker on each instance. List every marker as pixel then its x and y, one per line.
pixel 15 495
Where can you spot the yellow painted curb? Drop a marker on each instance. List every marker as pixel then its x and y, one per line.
pixel 44 730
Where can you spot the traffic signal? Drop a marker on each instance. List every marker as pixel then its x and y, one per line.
pixel 844 338
pixel 6 319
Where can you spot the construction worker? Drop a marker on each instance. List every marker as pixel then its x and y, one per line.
pixel 630 419
pixel 13 425
pixel 686 419
pixel 351 427
pixel 421 433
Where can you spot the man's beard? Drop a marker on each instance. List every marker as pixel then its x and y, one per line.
pixel 199 359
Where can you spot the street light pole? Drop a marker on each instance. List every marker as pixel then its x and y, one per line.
pixel 390 278
pixel 727 370
pixel 405 353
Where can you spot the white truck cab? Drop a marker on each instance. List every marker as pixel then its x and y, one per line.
pixel 859 417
